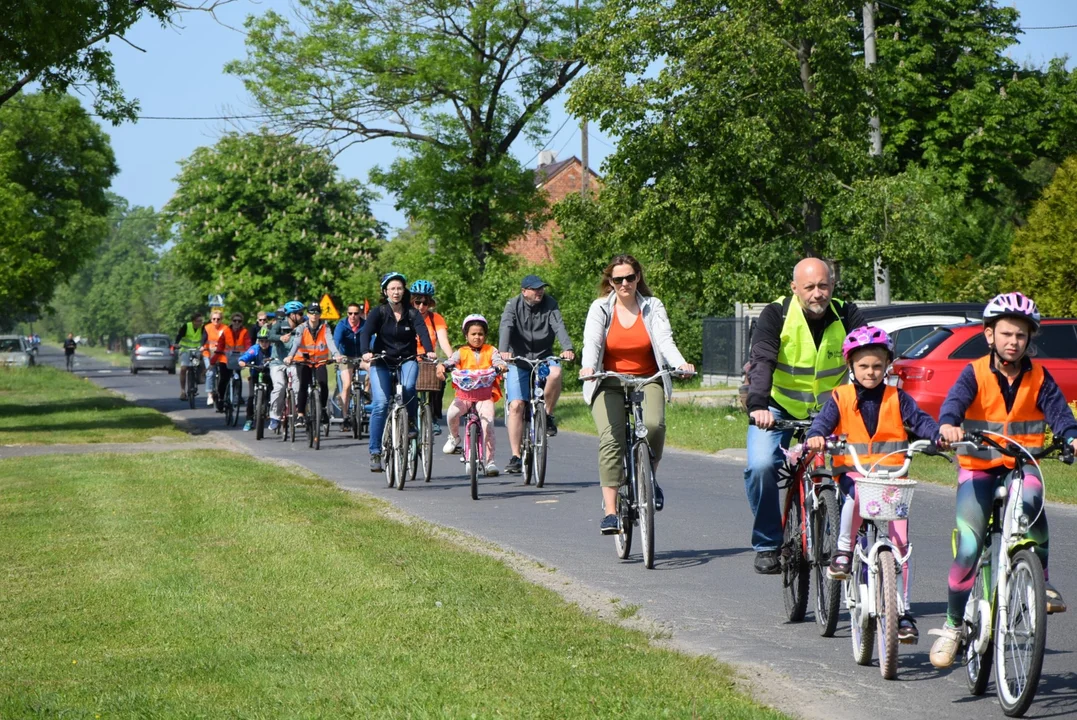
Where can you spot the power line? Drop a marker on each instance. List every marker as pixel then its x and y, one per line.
pixel 547 143
pixel 1050 27
pixel 983 25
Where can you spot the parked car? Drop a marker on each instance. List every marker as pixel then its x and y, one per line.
pixel 929 368
pixel 153 352
pixel 15 351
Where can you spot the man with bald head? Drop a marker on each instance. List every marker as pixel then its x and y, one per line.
pixel 795 362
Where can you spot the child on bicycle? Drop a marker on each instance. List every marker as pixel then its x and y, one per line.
pixel 872 416
pixel 475 355
pixel 258 355
pixel 1004 391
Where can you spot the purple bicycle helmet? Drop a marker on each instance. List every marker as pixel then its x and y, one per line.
pixel 867 336
pixel 1012 304
pixel 474 318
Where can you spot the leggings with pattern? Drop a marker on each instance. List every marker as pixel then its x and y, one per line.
pixel 975 497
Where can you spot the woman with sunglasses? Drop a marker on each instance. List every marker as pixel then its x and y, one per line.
pixel 422 299
pixel 627 331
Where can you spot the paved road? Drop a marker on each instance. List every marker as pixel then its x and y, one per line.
pixel 703 587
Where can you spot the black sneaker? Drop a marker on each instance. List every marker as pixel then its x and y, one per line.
pixel 301 422
pixel 609 525
pixel 551 426
pixel 659 498
pixel 346 426
pixel 515 467
pixel 907 632
pixel 375 463
pixel 767 562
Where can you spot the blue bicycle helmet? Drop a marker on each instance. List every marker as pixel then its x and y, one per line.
pixel 387 277
pixel 293 306
pixel 422 287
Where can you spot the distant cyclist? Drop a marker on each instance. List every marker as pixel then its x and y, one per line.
pixel 280 337
pixel 232 342
pixel 258 354
pixel 211 340
pixel 346 336
pixel 530 324
pixel 190 337
pixel 422 299
pixel 313 345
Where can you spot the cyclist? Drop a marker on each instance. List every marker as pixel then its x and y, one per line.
pixel 190 337
pixel 211 337
pixel 396 324
pixel 69 352
pixel 281 375
pixel 795 363
pixel 258 354
pixel 346 336
pixel 873 416
pixel 1004 391
pixel 627 331
pixel 312 343
pixel 231 343
pixel 530 323
pixel 474 355
pixel 422 299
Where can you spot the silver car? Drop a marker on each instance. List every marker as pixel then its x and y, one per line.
pixel 153 352
pixel 15 351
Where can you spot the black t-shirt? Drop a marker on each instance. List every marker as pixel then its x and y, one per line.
pixel 396 339
pixel 69 346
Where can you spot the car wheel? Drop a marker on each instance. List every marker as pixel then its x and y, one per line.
pixel 172 370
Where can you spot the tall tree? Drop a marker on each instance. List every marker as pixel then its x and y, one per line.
pixel 55 168
pixel 265 218
pixel 453 82
pixel 60 45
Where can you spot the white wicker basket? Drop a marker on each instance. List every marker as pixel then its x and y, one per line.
pixel 884 499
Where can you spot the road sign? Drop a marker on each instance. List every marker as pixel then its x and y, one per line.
pixel 329 308
pixel 216 301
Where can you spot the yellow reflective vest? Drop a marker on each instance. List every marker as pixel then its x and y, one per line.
pixel 803 375
pixel 192 338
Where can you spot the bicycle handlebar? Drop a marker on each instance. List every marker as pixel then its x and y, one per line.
pixel 539 361
pixel 842 447
pixel 783 425
pixel 636 380
pixel 1011 448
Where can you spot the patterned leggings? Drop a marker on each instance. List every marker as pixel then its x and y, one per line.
pixel 975 496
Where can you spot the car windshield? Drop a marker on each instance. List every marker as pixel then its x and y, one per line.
pixel 926 345
pixel 10 345
pixel 154 342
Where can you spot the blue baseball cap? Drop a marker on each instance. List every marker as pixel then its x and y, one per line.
pixel 533 282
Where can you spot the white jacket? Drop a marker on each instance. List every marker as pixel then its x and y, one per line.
pixel 655 321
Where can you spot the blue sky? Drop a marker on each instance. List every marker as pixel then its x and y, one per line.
pixel 180 75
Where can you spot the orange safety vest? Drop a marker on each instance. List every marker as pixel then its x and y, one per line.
pixel 429 319
pixel 213 336
pixel 889 437
pixel 236 343
pixel 1024 423
pixel 484 361
pixel 311 349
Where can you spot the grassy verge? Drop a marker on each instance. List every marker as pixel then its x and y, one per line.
pixel 238 589
pixel 44 405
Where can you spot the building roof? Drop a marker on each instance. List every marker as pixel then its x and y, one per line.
pixel 545 173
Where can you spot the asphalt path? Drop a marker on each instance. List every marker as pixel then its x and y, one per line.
pixel 703 588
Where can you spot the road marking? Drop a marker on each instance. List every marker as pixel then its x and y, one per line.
pixel 105 372
pixel 541 502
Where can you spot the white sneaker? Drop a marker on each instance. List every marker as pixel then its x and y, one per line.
pixel 450 445
pixel 491 470
pixel 209 399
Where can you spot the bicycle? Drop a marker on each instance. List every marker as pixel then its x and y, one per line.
pixel 261 399
pixel 289 419
pixel 1008 590
pixel 232 397
pixel 467 381
pixel 811 519
pixel 191 368
pixel 635 497
pixel 534 443
pixel 871 590
pixel 424 425
pixel 355 413
pixel 316 425
pixel 395 450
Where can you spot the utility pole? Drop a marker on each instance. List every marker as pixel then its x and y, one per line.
pixel 881 273
pixel 585 178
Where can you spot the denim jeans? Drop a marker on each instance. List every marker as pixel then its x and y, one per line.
pixel 761 482
pixel 381 391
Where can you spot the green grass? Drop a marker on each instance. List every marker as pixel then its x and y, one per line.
pixel 207 584
pixel 44 405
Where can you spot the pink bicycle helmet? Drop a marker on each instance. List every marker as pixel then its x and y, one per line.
pixel 1012 304
pixel 867 336
pixel 475 318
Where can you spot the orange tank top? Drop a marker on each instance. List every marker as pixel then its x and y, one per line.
pixel 629 350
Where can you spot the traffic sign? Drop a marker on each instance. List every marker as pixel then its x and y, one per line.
pixel 329 308
pixel 216 301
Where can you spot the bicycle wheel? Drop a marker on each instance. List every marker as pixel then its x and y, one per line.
pixel 259 413
pixel 388 465
pixel 978 631
pixel 526 453
pixel 1021 636
pixel 353 410
pixel 473 440
pixel 229 409
pixel 644 501
pixel 426 441
pixel 623 539
pixel 861 629
pixel 315 418
pixel 826 523
pixel 412 464
pixel 539 451
pixel 192 386
pixel 886 613
pixel 310 415
pixel 237 393
pixel 796 572
pixel 400 445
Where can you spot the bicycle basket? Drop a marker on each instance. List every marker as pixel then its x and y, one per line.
pixel 428 378
pixel 471 380
pixel 884 499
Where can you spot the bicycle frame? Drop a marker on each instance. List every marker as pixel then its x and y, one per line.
pixel 395 477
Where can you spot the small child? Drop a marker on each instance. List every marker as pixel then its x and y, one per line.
pixel 872 414
pixel 258 355
pixel 475 355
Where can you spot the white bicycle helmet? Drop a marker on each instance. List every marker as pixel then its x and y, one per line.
pixel 474 318
pixel 1015 305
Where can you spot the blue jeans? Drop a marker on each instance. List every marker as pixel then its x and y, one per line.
pixel 761 482
pixel 381 391
pixel 518 382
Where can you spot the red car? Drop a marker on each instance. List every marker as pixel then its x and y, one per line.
pixel 930 367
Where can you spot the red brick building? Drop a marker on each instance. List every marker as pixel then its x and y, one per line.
pixel 558 179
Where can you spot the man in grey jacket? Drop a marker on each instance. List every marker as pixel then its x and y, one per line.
pixel 529 325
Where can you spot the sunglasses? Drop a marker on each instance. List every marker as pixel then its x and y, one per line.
pixel 237 320
pixel 263 320
pixel 422 301
pixel 354 313
pixel 624 279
